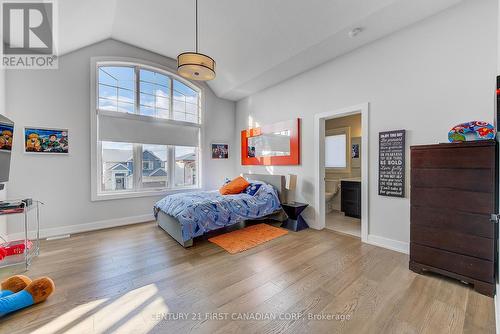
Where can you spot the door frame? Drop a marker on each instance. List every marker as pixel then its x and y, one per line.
pixel 319 154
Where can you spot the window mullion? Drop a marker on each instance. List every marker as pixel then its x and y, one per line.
pixel 117 97
pixel 171 166
pixel 197 167
pixel 155 101
pixel 171 112
pixel 100 167
pixel 137 166
pixel 198 113
pixel 137 90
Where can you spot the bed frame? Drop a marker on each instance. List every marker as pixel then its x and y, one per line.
pixel 172 226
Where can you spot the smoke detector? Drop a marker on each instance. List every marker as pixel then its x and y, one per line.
pixel 354 32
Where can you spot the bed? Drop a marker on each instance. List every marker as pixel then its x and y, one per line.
pixel 189 215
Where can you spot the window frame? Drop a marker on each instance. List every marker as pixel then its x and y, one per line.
pixel 97 194
pixel 341 131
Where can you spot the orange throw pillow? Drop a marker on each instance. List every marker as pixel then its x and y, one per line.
pixel 236 186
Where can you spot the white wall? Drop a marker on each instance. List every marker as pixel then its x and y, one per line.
pixel 61 98
pixel 3 193
pixel 425 79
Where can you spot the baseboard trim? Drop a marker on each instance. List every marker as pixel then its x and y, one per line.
pixel 98 225
pixel 395 245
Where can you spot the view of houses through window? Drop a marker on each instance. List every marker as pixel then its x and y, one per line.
pixel 118 166
pixel 154 166
pixel 185 166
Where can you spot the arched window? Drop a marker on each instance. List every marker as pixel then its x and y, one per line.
pixel 146 130
pixel 140 90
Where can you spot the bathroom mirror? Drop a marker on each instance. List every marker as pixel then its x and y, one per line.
pixel 274 144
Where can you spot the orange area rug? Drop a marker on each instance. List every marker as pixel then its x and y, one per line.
pixel 248 237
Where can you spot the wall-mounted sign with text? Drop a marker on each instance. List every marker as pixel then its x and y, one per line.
pixel 391 163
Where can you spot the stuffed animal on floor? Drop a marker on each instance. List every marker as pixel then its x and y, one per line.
pixel 19 292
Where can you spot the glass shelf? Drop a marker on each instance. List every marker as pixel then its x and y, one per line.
pixel 31 233
pixel 18 210
pixel 23 258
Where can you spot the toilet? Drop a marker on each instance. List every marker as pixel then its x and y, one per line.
pixel 333 187
pixel 328 199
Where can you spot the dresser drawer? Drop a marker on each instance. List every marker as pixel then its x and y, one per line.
pixel 461 200
pixel 454 242
pixel 454 157
pixel 452 220
pixel 472 267
pixel 481 180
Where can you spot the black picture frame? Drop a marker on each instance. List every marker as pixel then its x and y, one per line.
pixel 392 163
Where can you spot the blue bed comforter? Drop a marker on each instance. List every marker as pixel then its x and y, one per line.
pixel 200 212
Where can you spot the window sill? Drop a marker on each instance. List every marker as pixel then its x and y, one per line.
pixel 137 194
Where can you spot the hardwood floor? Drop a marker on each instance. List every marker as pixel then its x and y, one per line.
pixel 137 279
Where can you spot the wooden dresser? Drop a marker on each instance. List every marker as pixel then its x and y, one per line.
pixel 453 194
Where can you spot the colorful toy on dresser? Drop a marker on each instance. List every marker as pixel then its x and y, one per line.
pixel 18 292
pixel 470 131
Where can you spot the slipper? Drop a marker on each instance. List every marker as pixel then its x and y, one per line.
pixel 13 284
pixel 36 292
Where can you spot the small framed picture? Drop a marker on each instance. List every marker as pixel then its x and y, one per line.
pixel 355 151
pixel 46 140
pixel 6 131
pixel 220 151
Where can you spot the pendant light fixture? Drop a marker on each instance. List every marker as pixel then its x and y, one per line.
pixel 195 65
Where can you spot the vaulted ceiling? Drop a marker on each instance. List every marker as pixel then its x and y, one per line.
pixel 256 43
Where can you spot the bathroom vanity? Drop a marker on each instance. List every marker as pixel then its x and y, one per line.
pixel 350 202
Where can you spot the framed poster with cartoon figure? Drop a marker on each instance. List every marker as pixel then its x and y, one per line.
pixel 46 140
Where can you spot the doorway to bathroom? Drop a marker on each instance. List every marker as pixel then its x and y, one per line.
pixel 343 174
pixel 342 170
